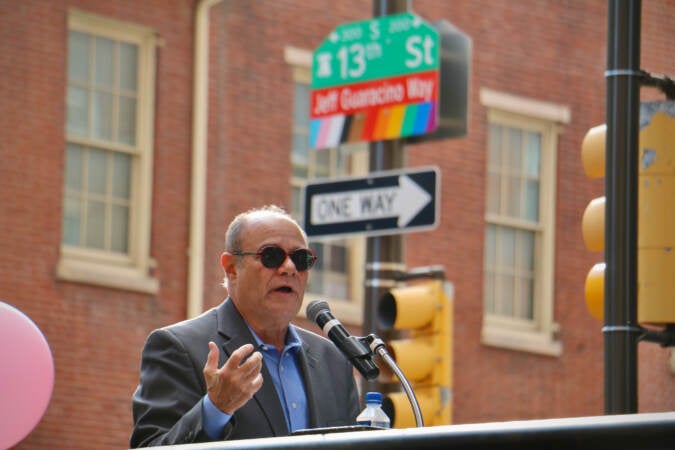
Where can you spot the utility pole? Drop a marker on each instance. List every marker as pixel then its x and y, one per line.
pixel 621 330
pixel 384 254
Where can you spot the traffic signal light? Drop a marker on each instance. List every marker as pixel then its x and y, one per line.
pixel 593 221
pixel 656 217
pixel 422 313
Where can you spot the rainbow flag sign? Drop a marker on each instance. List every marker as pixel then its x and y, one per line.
pixel 375 80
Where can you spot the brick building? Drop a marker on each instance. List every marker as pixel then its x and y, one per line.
pixel 133 132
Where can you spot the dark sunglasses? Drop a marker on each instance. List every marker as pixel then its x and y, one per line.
pixel 273 257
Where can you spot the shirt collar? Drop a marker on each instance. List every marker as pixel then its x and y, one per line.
pixel 292 339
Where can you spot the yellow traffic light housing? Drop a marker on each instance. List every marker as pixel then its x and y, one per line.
pixel 593 151
pixel 593 224
pixel 595 291
pixel 422 312
pixel 593 220
pixel 656 216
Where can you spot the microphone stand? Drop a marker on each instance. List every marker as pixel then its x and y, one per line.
pixel 377 345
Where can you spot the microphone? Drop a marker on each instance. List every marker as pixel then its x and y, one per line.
pixel 355 350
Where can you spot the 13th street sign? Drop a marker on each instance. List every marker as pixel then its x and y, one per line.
pixel 383 203
pixel 375 80
pixel 388 46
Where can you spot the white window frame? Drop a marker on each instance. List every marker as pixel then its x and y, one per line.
pixel 539 335
pixel 130 271
pixel 350 309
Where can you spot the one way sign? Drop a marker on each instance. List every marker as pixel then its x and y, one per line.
pixel 382 203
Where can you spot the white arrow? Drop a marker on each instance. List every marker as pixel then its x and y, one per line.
pixel 404 201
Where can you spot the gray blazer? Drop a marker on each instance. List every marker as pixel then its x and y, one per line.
pixel 167 405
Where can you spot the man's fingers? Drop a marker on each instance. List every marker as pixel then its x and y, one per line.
pixel 244 370
pixel 239 355
pixel 253 363
pixel 212 358
pixel 257 383
pixel 233 384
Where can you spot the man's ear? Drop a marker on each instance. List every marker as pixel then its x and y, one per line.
pixel 229 263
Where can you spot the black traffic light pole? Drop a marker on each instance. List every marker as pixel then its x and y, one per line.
pixel 384 254
pixel 621 330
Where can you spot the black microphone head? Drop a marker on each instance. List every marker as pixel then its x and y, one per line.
pixel 314 309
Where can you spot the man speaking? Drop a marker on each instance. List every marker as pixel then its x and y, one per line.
pixel 241 370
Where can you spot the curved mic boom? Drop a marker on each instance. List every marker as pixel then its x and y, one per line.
pixel 355 350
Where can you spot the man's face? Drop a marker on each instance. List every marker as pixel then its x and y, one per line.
pixel 267 297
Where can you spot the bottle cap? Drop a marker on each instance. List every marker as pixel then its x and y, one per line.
pixel 373 397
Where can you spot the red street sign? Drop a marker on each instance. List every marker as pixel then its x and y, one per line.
pixel 375 110
pixel 353 98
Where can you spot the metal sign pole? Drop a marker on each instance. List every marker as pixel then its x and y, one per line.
pixel 621 331
pixel 384 254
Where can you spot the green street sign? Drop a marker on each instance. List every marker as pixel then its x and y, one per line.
pixel 389 46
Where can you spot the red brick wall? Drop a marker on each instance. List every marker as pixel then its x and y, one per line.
pixel 547 50
pixel 95 334
pixel 551 51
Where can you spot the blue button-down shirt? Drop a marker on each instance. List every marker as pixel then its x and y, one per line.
pixel 284 368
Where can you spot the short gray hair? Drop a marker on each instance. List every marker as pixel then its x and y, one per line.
pixel 234 234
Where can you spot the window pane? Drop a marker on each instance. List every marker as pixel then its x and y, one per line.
pixel 524 302
pixel 315 283
pixel 490 246
pixel 78 57
pixel 506 241
pixel 504 294
pixel 338 258
pixel 489 294
pixel 526 250
pixel 301 172
pixel 102 126
pixel 119 228
pixel 493 193
pixel 127 121
pixel 103 67
pixel 297 200
pixel 512 197
pixel 121 179
pixel 489 281
pixel 96 171
pixel 336 288
pixel 128 63
pixel 300 151
pixel 341 162
pixel 77 111
pixel 532 171
pixel 301 106
pixel 322 163
pixel 494 147
pixel 533 154
pixel 95 224
pixel 531 201
pixel 514 150
pixel 73 175
pixel 72 213
pixel 504 288
pixel 320 254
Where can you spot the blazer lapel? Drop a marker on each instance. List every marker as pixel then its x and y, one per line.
pixel 308 363
pixel 236 333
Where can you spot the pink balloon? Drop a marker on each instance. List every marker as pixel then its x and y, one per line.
pixel 26 375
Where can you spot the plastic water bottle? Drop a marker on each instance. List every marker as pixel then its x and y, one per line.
pixel 373 415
